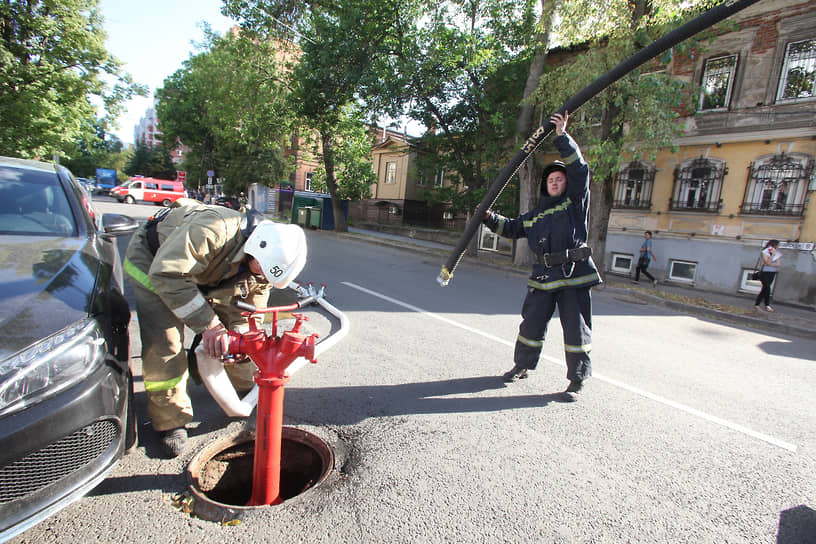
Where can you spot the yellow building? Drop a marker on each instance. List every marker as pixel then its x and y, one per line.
pixel 744 171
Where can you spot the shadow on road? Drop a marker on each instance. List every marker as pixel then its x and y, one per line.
pixel 797 526
pixel 351 405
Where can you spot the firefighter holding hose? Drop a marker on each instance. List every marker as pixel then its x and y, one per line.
pixel 187 265
pixel 557 232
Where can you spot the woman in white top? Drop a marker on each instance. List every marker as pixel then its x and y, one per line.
pixel 768 262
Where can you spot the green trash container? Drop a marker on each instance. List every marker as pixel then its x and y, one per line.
pixel 303 216
pixel 314 217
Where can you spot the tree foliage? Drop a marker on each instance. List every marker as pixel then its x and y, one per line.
pixel 53 63
pixel 152 162
pixel 229 105
pixel 344 44
pixel 460 72
pixel 354 173
pixel 88 154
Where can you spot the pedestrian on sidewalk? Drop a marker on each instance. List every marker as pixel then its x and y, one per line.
pixel 187 265
pixel 556 232
pixel 646 256
pixel 769 259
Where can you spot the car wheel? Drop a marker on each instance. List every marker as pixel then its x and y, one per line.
pixel 131 424
pixel 166 202
pixel 129 199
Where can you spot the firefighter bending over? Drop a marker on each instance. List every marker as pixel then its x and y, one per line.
pixel 187 265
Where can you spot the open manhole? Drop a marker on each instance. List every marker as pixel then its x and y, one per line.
pixel 220 475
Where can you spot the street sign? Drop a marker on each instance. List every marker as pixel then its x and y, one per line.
pixel 181 176
pixel 210 173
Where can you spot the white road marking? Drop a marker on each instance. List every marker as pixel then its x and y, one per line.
pixel 637 391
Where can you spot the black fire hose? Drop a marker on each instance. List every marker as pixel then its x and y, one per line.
pixel 703 21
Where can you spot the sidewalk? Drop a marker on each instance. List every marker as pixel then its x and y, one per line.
pixel 737 308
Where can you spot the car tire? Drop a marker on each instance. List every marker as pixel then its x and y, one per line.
pixel 131 422
pixel 165 203
pixel 129 199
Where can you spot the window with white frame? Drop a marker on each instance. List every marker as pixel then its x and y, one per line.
pixel 748 285
pixel 439 179
pixel 489 240
pixel 698 184
pixel 717 83
pixel 797 79
pixel 390 172
pixel 778 184
pixel 622 263
pixel 633 186
pixel 307 185
pixel 682 271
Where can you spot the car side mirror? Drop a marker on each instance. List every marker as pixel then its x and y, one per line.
pixel 115 224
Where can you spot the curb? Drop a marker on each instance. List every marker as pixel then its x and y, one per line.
pixel 719 315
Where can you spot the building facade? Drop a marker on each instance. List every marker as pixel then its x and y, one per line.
pixel 744 170
pixel 147 133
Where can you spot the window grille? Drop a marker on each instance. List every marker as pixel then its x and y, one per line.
pixel 633 186
pixel 698 185
pixel 718 81
pixel 798 77
pixel 777 185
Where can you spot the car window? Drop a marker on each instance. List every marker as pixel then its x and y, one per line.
pixel 34 202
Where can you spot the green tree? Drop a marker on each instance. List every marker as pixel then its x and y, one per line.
pixel 152 162
pixel 228 104
pixel 87 154
pixel 354 173
pixel 53 62
pixel 343 58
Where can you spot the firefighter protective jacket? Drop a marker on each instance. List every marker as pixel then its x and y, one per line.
pixel 200 256
pixel 556 224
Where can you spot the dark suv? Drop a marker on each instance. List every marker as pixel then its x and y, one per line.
pixel 66 390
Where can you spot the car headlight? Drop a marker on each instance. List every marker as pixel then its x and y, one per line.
pixel 51 365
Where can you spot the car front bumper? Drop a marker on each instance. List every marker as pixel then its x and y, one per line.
pixel 56 451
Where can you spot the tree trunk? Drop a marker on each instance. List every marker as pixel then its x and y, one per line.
pixel 340 224
pixel 599 211
pixel 528 176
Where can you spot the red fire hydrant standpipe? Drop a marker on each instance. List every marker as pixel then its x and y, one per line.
pixel 272 355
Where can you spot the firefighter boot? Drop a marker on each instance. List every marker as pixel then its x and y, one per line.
pixel 173 441
pixel 514 374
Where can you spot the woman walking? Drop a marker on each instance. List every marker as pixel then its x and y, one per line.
pixel 768 263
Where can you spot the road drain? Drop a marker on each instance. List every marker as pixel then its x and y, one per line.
pixel 220 475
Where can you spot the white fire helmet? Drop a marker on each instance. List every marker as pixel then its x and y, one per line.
pixel 280 249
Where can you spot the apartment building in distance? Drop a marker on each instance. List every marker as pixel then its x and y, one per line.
pixel 147 133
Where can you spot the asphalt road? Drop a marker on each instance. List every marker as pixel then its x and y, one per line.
pixel 689 431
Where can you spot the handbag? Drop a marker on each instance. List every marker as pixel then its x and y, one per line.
pixel 643 260
pixel 755 274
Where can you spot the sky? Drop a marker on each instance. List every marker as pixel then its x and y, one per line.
pixel 152 38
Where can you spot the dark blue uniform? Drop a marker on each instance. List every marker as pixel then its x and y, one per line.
pixel 557 224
